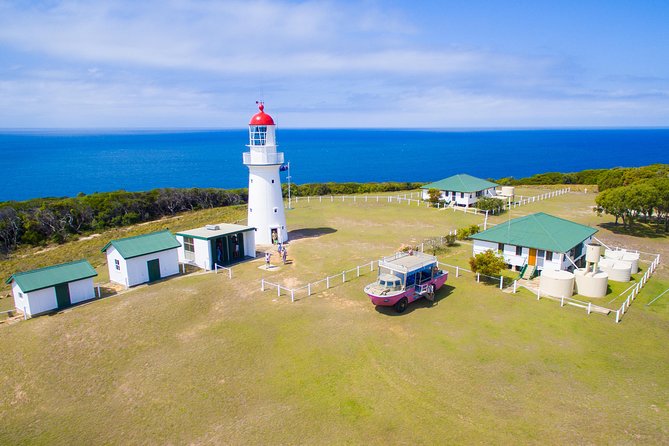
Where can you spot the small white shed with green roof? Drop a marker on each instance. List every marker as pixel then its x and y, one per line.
pixel 461 189
pixel 540 240
pixel 52 288
pixel 143 258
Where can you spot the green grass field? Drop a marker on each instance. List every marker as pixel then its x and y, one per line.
pixel 202 359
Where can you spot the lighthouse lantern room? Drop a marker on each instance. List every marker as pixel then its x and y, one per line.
pixel 266 212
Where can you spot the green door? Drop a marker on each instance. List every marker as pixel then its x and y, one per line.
pixel 63 295
pixel 154 269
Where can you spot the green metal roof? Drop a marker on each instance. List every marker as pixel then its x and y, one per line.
pixel 38 279
pixel 144 244
pixel 540 231
pixel 461 183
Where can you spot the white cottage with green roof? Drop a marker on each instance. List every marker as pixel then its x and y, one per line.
pixel 220 244
pixel 143 258
pixel 540 240
pixel 47 289
pixel 462 189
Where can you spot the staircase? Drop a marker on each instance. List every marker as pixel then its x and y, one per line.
pixel 528 272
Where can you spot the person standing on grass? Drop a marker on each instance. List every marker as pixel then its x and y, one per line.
pixel 267 257
pixel 284 255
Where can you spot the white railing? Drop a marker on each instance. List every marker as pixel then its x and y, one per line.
pixel 262 158
pixel 328 282
pixel 217 267
pixel 637 289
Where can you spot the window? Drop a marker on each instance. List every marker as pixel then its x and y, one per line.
pixel 500 248
pixel 117 264
pixel 276 210
pixel 462 195
pixel 258 135
pixel 20 295
pixel 189 244
pixel 272 181
pixel 549 256
pixel 541 253
pixel 519 250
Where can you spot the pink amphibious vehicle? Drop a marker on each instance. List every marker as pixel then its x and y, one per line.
pixel 405 277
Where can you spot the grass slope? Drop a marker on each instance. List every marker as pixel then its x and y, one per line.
pixel 206 360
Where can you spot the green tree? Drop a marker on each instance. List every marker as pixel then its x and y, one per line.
pixel 490 204
pixel 487 263
pixel 434 195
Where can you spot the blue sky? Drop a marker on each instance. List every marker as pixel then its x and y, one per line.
pixel 434 64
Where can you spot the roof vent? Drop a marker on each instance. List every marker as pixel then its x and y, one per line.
pixel 212 227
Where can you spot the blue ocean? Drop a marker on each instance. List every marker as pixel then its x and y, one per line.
pixel 64 163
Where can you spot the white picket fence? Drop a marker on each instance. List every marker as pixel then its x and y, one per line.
pixel 635 291
pixel 410 200
pixel 319 285
pixel 223 268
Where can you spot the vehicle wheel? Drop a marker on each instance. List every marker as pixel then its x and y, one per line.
pixel 401 305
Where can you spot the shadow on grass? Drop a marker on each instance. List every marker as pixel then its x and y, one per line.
pixel 639 229
pixel 443 293
pixel 309 233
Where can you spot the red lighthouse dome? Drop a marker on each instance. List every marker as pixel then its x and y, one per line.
pixel 261 118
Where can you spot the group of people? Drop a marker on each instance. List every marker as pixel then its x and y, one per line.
pixel 283 253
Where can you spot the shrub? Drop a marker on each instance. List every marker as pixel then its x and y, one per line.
pixel 487 263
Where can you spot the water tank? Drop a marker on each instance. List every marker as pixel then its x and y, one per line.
pixel 556 283
pixel 618 270
pixel 592 284
pixel 508 191
pixel 633 259
pixel 592 252
pixel 614 254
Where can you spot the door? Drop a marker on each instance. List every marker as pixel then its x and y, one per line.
pixel 533 257
pixel 154 269
pixel 63 295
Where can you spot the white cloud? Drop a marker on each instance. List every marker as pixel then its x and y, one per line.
pixel 200 63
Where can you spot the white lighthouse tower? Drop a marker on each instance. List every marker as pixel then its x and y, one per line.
pixel 266 212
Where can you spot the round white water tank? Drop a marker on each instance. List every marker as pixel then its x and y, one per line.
pixel 592 252
pixel 508 191
pixel 592 284
pixel 556 283
pixel 614 254
pixel 618 270
pixel 633 259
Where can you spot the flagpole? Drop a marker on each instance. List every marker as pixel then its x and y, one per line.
pixel 288 178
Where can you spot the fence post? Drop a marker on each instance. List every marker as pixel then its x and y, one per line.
pixel 357 271
pixel 308 289
pixel 371 265
pixel 538 294
pixel 320 199
pixel 278 290
pixel 216 268
pixel 457 271
pixel 501 282
pixel 262 285
pixel 515 283
pixel 422 247
pixel 99 292
pixel 343 277
pixel 478 277
pixel 327 282
pixel 589 307
pixel 229 273
pixel 292 295
pixel 617 316
pixel 562 301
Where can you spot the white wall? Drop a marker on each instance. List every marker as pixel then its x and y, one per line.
pixel 462 198
pixel 117 276
pixel 138 271
pixel 202 254
pixel 512 259
pixel 81 290
pixel 135 271
pixel 250 243
pixel 266 203
pixel 41 301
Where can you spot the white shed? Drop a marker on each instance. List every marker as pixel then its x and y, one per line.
pixel 143 258
pixel 52 288
pixel 220 244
